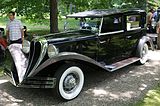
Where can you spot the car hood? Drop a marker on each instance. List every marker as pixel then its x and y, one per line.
pixel 69 36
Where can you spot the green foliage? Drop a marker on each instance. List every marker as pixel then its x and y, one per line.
pixel 28 8
pixel 105 4
pixel 153 3
pixel 152 98
pixel 39 9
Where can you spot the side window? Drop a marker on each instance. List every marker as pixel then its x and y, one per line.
pixel 133 22
pixel 111 24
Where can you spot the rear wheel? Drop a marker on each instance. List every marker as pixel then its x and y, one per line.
pixel 70 81
pixel 143 54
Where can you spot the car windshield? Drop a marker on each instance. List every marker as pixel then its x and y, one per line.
pixel 91 24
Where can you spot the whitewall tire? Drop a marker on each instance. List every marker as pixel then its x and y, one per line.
pixel 70 81
pixel 143 54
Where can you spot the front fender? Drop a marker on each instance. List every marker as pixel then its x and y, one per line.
pixel 66 56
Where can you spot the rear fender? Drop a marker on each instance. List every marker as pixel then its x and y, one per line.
pixel 142 41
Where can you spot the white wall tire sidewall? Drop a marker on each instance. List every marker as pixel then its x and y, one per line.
pixel 70 96
pixel 143 61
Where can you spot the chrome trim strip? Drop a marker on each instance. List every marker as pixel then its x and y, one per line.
pixel 115 32
pixel 100 27
pixel 134 29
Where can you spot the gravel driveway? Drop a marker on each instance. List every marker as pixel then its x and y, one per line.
pixel 121 88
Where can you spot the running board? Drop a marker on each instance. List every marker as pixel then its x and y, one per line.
pixel 121 64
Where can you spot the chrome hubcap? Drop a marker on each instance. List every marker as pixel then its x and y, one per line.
pixel 144 53
pixel 70 82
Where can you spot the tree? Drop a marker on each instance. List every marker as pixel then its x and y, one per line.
pixel 53 16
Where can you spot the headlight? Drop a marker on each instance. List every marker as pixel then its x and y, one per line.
pixel 52 51
pixel 26 46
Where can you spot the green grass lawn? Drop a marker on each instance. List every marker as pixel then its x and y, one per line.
pixel 152 98
pixel 38 27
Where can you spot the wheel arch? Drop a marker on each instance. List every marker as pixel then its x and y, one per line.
pixel 142 41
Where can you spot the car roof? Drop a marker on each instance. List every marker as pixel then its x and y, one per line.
pixel 103 12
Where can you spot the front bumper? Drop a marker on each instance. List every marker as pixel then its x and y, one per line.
pixel 34 82
pixel 38 82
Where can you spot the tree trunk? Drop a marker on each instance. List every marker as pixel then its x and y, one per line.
pixel 53 16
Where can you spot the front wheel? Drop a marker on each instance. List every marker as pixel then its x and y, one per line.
pixel 70 81
pixel 143 53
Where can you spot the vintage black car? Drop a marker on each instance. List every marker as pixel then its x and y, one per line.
pixel 104 39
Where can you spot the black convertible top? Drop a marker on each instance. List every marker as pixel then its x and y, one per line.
pixel 103 12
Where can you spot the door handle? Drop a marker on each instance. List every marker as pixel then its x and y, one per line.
pixel 128 37
pixel 101 42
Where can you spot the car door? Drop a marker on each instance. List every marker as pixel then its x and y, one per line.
pixel 134 31
pixel 112 40
pixel 84 42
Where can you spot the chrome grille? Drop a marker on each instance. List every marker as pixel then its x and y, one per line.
pixel 37 53
pixel 33 55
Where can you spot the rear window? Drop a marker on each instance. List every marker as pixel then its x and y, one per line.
pixel 133 22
